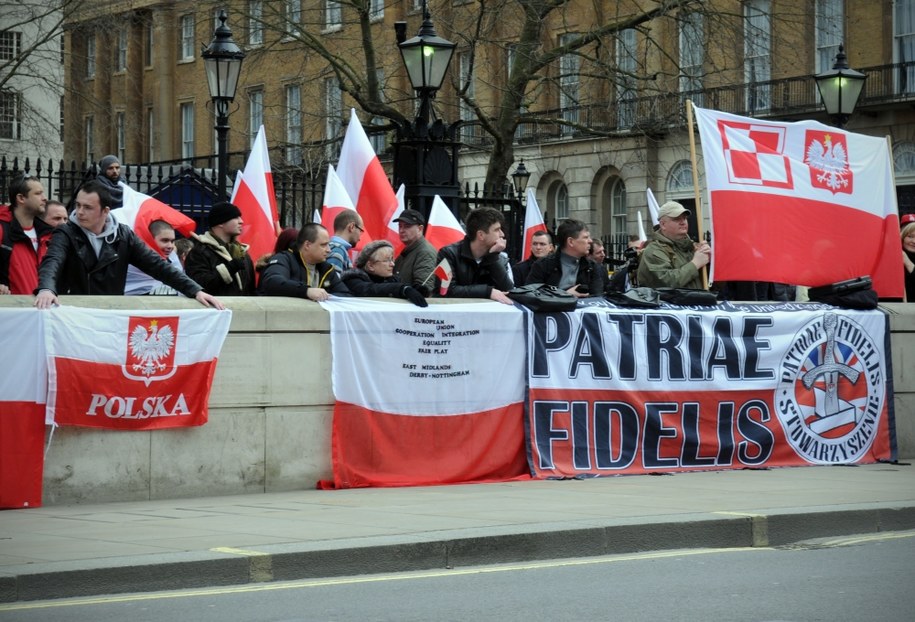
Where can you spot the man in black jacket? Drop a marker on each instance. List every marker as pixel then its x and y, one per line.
pixel 218 261
pixel 478 269
pixel 303 271
pixel 569 268
pixel 89 256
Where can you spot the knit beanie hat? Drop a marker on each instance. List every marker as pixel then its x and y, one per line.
pixel 222 212
pixel 107 161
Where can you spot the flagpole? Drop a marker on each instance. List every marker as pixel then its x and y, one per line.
pixel 698 196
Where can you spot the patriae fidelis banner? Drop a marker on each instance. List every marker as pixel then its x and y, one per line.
pixel 616 391
pixel 132 370
pixel 799 203
pixel 426 396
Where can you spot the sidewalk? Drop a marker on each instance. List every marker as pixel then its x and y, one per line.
pixel 63 551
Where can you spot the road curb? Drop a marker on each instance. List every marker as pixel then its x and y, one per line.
pixel 445 550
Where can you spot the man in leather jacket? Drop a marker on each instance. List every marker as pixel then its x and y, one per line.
pixel 303 271
pixel 569 267
pixel 478 268
pixel 89 255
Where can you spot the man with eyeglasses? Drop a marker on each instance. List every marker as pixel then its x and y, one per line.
pixel 348 228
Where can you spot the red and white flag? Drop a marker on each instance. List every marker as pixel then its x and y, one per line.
pixel 132 370
pixel 444 273
pixel 365 180
pixel 139 210
pixel 23 387
pixel 533 222
pixel 799 203
pixel 443 228
pixel 254 195
pixel 336 199
pixel 393 231
pixel 447 405
pixel 653 207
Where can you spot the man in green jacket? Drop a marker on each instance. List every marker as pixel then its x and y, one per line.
pixel 417 259
pixel 670 258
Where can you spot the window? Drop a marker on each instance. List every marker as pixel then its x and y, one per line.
pixel 904 43
pixel 379 139
pixel 10 44
pixel 9 114
pixel 149 33
pixel 90 56
pixel 293 124
pixel 150 135
pixel 626 87
pixel 293 17
pixel 187 131
pixel 829 32
pixel 468 132
pixel 255 113
pixel 680 179
pixel 692 53
pixel 562 202
pixel 90 139
pixel 255 22
pixel 121 130
pixel 120 63
pixel 569 66
pixel 63 49
pixel 333 112
pixel 61 119
pixel 617 207
pixel 757 54
pixel 376 10
pixel 333 14
pixel 186 52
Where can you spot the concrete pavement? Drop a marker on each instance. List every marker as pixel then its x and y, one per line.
pixel 80 550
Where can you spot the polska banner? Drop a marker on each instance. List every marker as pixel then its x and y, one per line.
pixel 426 396
pixel 132 370
pixel 614 391
pixel 799 203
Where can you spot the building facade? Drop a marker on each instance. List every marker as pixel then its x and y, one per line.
pixel 591 95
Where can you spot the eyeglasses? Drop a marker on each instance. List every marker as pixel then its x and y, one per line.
pixel 361 230
pixel 385 260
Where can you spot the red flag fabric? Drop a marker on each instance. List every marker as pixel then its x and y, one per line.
pixel 139 210
pixel 22 407
pixel 533 222
pixel 365 181
pixel 336 199
pixel 449 410
pixel 140 370
pixel 254 195
pixel 443 228
pixel 799 203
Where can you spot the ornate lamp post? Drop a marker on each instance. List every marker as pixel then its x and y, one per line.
pixel 519 180
pixel 519 177
pixel 425 152
pixel 840 88
pixel 222 59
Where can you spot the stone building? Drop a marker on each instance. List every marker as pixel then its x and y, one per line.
pixel 602 118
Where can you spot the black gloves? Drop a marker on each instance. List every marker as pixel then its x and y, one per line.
pixel 413 295
pixel 237 265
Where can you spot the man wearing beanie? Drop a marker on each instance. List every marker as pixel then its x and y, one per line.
pixel 219 262
pixel 109 174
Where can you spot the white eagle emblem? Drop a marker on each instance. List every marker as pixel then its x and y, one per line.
pixel 830 160
pixel 149 347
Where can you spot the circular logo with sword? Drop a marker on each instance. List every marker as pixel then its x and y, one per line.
pixel 830 393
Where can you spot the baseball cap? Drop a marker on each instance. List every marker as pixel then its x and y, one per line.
pixel 411 217
pixel 672 209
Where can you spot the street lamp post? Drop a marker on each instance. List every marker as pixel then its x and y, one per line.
pixel 519 177
pixel 425 152
pixel 222 60
pixel 840 88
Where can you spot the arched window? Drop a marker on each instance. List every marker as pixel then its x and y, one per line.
pixel 904 159
pixel 562 202
pixel 680 179
pixel 617 207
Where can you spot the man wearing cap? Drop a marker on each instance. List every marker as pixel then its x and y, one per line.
pixel 109 175
pixel 416 261
pixel 670 258
pixel 219 262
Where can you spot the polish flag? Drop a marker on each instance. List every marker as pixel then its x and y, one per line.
pixel 132 370
pixel 336 199
pixel 254 195
pixel 799 203
pixel 23 387
pixel 365 180
pixel 450 414
pixel 139 210
pixel 653 207
pixel 392 234
pixel 443 228
pixel 533 222
pixel 444 273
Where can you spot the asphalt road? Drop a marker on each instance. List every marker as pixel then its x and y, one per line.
pixel 851 578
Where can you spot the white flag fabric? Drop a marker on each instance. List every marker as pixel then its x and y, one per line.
pixel 533 222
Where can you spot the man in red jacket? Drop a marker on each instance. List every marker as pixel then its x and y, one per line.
pixel 23 236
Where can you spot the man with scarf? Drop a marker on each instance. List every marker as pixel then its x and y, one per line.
pixel 89 255
pixel 109 175
pixel 218 261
